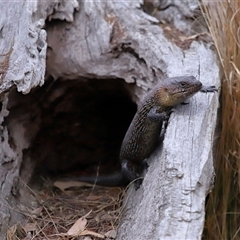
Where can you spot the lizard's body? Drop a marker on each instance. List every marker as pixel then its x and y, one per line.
pixel 144 131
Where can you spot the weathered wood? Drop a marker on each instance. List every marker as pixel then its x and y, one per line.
pixel 22 64
pixel 124 42
pixel 171 202
pixel 111 39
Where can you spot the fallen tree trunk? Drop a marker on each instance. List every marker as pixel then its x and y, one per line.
pixel 117 40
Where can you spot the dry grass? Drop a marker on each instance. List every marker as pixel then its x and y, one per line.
pixel 223 207
pixel 75 213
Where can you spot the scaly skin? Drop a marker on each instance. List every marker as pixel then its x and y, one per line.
pixel 143 133
pixel 111 179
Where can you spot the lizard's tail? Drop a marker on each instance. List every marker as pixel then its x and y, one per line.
pixel 113 179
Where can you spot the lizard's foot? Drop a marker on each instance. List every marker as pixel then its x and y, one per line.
pixel 132 172
pixel 208 89
pixel 145 164
pixel 137 183
pixel 155 116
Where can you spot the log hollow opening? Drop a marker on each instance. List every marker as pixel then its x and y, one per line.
pixel 70 127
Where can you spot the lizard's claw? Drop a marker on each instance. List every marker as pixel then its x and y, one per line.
pixel 208 89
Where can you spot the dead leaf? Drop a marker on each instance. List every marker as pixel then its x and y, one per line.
pixel 77 227
pixel 37 211
pixel 91 233
pixel 29 227
pixel 94 198
pixel 111 234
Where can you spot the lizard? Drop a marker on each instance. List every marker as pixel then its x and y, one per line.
pixel 146 127
pixel 144 131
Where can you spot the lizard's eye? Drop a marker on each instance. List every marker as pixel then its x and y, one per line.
pixel 183 84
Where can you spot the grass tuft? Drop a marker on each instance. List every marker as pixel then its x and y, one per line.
pixel 223 206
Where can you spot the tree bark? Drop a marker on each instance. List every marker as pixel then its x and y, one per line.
pixel 117 40
pixel 22 64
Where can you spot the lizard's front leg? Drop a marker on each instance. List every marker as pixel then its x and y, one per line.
pixel 156 116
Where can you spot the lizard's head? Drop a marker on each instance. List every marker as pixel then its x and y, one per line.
pixel 177 89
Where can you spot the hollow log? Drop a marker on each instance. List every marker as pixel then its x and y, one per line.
pixel 117 42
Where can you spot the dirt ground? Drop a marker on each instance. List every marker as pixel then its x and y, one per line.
pixel 71 210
